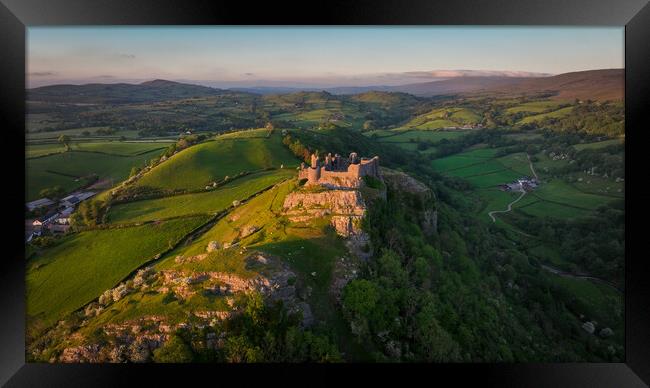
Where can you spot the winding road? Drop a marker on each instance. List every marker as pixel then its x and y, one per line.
pixel 523 192
pixel 491 214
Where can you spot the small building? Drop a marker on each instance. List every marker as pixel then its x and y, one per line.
pixel 39 203
pixel 46 219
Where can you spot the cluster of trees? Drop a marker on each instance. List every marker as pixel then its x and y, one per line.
pixel 89 213
pixel 609 161
pixel 594 245
pixel 463 294
pixel 590 117
pixel 297 147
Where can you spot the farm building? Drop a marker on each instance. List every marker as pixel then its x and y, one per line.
pixel 523 183
pixel 39 203
pixel 64 217
pixel 46 219
pixel 74 198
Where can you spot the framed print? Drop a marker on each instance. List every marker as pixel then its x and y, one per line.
pixel 372 189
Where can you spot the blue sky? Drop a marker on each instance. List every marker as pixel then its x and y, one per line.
pixel 309 56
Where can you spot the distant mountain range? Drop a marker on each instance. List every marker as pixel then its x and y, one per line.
pixel 606 84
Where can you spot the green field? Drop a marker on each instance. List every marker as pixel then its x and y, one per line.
pixel 534 107
pixel 65 277
pixel 554 114
pixel 209 202
pixel 563 193
pixel 35 150
pixel 202 164
pixel 68 169
pixel 597 145
pixel 442 118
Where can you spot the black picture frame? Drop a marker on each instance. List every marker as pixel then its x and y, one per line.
pixel 16 15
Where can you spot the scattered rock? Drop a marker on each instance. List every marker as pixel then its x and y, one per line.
pixel 606 332
pixel 248 230
pixel 212 246
pixel 589 327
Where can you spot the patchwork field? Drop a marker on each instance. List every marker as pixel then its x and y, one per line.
pixel 68 169
pixel 554 198
pixel 83 265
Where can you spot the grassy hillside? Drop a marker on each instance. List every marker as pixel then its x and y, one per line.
pixel 210 202
pixel 63 278
pixel 200 165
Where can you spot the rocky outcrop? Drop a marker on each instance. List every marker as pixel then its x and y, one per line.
pixel 348 202
pixel 346 208
pixel 346 226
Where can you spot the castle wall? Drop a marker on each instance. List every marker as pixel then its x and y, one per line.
pixel 341 179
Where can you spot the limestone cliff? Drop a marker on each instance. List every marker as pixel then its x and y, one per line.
pixel 346 208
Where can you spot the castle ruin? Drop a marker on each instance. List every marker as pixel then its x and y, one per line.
pixel 339 172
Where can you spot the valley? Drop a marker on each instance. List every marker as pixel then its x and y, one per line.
pixel 229 226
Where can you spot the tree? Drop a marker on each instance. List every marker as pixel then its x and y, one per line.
pixel 360 297
pixel 65 141
pixel 175 350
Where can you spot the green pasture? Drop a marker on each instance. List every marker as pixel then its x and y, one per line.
pixel 67 169
pixel 65 277
pixel 202 164
pixel 209 202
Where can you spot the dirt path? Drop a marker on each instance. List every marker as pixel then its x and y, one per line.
pixel 559 272
pixel 523 192
pixel 531 166
pixel 491 214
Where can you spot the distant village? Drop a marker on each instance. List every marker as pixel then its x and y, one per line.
pixel 56 214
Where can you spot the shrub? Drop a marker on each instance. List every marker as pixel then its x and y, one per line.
pixel 175 350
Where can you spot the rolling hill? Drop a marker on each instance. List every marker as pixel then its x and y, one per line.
pixel 121 93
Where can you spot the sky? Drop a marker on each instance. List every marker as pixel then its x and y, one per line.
pixel 312 56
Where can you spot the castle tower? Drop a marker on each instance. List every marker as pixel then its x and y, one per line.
pixel 313 174
pixel 314 161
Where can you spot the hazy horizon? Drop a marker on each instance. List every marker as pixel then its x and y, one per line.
pixel 312 57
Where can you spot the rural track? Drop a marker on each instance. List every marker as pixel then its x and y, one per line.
pixel 530 163
pixel 559 272
pixel 491 214
pixel 523 192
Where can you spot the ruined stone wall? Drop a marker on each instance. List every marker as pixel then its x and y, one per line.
pixel 351 178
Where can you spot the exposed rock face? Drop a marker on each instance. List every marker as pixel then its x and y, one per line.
pixel 346 226
pixel 346 207
pixel 348 202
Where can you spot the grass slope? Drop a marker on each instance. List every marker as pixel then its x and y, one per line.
pixel 63 278
pixel 209 202
pixel 197 166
